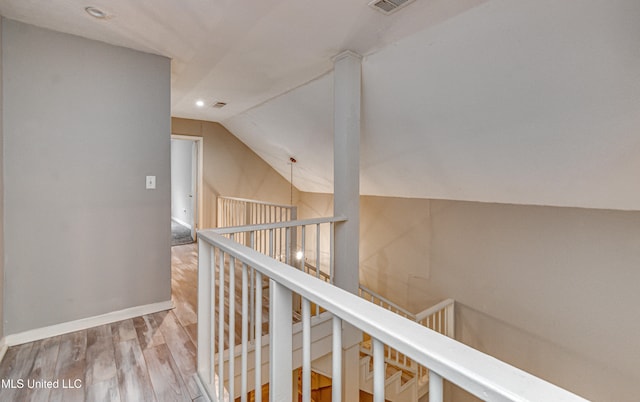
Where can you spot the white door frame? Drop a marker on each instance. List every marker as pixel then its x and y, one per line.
pixel 197 213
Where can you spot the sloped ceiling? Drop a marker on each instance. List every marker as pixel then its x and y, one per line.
pixel 531 102
pixel 513 102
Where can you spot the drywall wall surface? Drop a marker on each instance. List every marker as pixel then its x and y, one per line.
pixel 84 124
pixel 182 181
pixel 394 249
pixel 550 290
pixel 394 245
pixel 231 169
pixel 314 205
pixel 1 198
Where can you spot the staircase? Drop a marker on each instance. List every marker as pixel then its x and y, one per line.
pixel 405 381
pixel 249 273
pixel 320 346
pixel 400 385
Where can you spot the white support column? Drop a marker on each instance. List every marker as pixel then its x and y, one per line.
pixel 346 168
pixel 346 189
pixel 351 367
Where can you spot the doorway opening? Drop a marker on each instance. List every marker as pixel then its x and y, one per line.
pixel 186 188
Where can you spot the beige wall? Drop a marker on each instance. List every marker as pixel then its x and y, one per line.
pixel 551 290
pixel 394 249
pixel 231 169
pixel 394 244
pixel 314 205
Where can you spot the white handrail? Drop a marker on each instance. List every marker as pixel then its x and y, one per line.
pixel 402 311
pixel 433 309
pixel 476 372
pixel 240 211
pixel 258 202
pixel 394 307
pixel 324 276
pixel 439 318
pixel 274 225
pixel 406 367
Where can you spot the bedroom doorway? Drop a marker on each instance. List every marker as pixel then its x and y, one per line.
pixel 186 188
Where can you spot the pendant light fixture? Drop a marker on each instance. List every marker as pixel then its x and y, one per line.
pixel 292 161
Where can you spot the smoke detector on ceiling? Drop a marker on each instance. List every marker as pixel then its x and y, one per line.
pixel 389 6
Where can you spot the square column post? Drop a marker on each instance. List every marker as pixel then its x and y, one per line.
pixel 346 168
pixel 346 202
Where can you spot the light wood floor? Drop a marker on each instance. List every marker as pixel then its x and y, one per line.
pixel 148 358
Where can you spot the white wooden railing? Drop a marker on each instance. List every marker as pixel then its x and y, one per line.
pixel 234 211
pixel 439 318
pixel 445 358
pixel 383 302
pixel 306 245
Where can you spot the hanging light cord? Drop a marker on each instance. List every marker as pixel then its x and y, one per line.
pixel 292 160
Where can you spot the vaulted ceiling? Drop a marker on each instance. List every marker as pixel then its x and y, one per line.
pixel 528 102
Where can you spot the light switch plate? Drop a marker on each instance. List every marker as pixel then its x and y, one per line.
pixel 151 182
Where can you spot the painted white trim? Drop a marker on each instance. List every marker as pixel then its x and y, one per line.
pixel 84 323
pixel 199 140
pixel 183 223
pixel 3 347
pixel 204 392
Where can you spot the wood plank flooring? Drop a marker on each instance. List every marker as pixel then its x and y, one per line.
pixel 148 358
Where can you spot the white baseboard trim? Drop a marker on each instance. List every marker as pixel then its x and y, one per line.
pixel 84 323
pixel 3 347
pixel 183 223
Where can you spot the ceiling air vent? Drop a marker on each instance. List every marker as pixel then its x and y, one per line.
pixel 389 6
pixel 219 105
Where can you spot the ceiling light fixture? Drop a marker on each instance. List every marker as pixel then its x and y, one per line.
pixel 199 103
pixel 95 12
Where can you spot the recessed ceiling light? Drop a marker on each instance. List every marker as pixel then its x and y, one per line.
pixel 220 105
pixel 200 103
pixel 95 12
